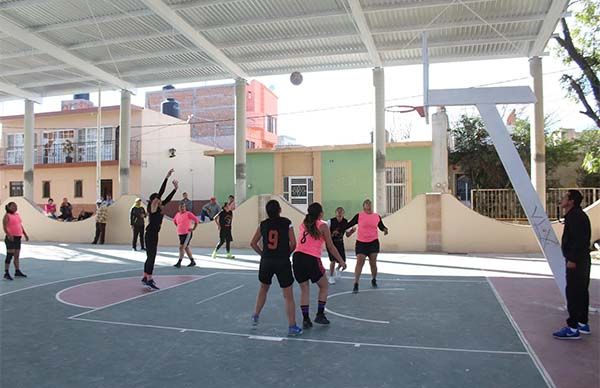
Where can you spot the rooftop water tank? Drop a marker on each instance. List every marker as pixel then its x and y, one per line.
pixel 170 107
pixel 81 96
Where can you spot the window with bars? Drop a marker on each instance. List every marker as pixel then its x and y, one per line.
pixel 397 185
pixel 298 190
pixel 16 189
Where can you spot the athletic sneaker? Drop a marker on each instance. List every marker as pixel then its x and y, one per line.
pixel 338 273
pixel 373 283
pixel 7 276
pixel 355 288
pixel 294 331
pixel 150 283
pixel 230 256
pixel 135 250
pixel 331 280
pixel 214 254
pixel 144 280
pixel 321 319
pixel 584 328
pixel 567 333
pixel 306 323
pixel 192 264
pixel 19 274
pixel 177 265
pixel 254 320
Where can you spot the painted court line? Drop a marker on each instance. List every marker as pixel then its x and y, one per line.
pixel 68 280
pixel 356 318
pixel 273 338
pixel 140 296
pixel 536 361
pixel 61 300
pixel 221 294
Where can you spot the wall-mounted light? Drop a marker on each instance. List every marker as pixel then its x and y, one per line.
pixel 172 152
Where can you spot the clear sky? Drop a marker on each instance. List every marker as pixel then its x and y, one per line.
pixel 336 107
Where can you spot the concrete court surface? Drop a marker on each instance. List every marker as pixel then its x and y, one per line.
pixel 81 318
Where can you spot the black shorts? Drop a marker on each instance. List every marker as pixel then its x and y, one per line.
pixel 282 268
pixel 184 239
pixel 14 244
pixel 307 267
pixel 340 247
pixel 363 248
pixel 225 234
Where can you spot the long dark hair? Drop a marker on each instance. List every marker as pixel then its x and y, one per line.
pixel 273 208
pixel 149 206
pixel 310 221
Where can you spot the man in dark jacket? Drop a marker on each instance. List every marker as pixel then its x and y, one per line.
pixel 576 250
pixel 136 219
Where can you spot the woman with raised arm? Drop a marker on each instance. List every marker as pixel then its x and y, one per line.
pixel 155 217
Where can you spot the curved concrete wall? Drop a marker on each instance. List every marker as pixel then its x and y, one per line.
pixel 463 230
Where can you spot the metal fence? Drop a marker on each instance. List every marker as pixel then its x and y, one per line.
pixel 503 204
pixel 78 153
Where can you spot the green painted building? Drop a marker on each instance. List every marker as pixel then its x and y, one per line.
pixel 333 175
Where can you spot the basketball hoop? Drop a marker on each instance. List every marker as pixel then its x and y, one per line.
pixel 406 109
pixel 401 129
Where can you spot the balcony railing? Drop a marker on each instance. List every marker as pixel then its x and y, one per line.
pixel 58 153
pixel 503 204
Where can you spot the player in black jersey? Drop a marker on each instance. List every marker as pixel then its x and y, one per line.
pixel 278 242
pixel 337 227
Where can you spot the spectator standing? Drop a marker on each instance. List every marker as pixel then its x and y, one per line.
pixel 137 216
pixel 101 219
pixel 187 202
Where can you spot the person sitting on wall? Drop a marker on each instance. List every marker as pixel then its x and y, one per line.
pixel 83 215
pixel 210 210
pixel 66 210
pixel 50 209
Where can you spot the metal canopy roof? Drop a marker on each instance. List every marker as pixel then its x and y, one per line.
pixel 53 47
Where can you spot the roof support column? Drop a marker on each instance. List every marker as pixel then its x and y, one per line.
pixel 439 162
pixel 379 203
pixel 28 151
pixel 239 148
pixel 538 140
pixel 124 142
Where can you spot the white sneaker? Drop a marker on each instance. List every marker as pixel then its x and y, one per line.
pixel 338 274
pixel 331 280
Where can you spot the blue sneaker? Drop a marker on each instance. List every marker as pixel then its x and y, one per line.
pixel 254 320
pixel 584 328
pixel 294 331
pixel 567 333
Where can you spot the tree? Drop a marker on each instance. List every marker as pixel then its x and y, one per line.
pixel 477 157
pixel 589 144
pixel 580 44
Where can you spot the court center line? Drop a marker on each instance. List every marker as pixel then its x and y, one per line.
pixel 140 296
pixel 275 338
pixel 221 294
pixel 534 358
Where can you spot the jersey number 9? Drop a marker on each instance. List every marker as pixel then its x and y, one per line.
pixel 273 239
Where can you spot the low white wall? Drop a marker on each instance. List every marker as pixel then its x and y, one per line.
pixel 463 230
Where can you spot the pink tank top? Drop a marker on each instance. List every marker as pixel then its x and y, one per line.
pixel 367 227
pixel 308 244
pixel 14 227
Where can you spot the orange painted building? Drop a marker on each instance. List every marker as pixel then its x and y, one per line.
pixel 212 112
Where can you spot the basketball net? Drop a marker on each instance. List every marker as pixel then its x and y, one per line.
pixel 400 127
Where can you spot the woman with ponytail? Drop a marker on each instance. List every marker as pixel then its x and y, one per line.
pixel 307 262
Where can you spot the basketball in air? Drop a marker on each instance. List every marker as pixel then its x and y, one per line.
pixel 296 78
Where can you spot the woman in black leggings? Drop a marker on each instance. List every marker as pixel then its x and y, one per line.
pixel 155 218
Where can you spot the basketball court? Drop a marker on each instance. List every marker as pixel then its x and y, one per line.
pixel 85 320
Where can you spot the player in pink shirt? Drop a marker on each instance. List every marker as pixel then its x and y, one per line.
pixel 14 231
pixel 367 241
pixel 186 223
pixel 307 262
